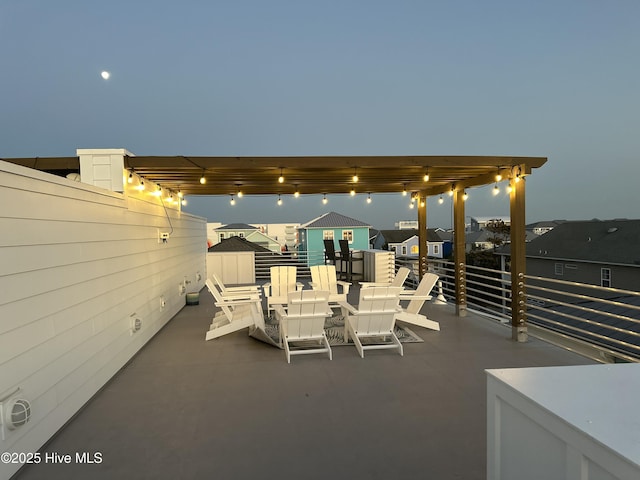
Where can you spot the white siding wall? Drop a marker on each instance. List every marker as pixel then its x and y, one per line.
pixel 76 262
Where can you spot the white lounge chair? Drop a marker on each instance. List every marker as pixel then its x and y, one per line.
pixel 324 277
pixel 283 281
pixel 374 318
pixel 237 312
pixel 411 314
pixel 230 291
pixel 303 321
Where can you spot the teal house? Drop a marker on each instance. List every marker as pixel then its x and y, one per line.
pixel 332 226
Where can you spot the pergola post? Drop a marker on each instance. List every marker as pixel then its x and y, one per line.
pixel 518 257
pixel 423 249
pixel 459 253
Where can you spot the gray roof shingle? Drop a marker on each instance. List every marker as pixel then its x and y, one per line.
pixel 334 220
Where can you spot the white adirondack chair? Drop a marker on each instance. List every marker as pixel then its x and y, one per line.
pixel 303 321
pixel 324 277
pixel 283 281
pixel 230 291
pixel 398 281
pixel 411 314
pixel 237 312
pixel 374 318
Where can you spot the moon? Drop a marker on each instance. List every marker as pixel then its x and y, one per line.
pixel 105 75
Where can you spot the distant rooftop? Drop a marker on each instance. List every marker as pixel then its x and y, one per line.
pixel 608 241
pixel 237 226
pixel 334 220
pixel 399 236
pixel 237 244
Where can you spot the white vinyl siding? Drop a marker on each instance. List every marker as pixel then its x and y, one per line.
pixel 79 263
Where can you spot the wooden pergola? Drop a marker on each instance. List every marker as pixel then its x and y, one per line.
pixel 421 176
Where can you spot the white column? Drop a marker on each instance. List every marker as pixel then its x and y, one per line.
pixel 103 167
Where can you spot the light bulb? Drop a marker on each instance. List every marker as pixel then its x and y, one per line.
pixel 369 199
pixel 296 194
pixel 353 192
pixel 465 196
pixel 279 200
pixel 426 177
pixel 232 201
pixel 203 180
pixel 240 194
pixel 130 179
pixel 281 177
pixel 324 199
pixel 411 205
pixel 496 190
pixel 498 177
pixel 440 200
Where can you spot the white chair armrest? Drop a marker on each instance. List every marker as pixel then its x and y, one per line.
pixel 314 285
pixel 267 289
pixel 374 284
pixel 346 307
pixel 345 286
pixel 299 286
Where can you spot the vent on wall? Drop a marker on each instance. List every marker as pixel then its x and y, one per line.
pixel 15 411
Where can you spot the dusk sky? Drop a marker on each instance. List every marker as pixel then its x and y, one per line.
pixel 557 79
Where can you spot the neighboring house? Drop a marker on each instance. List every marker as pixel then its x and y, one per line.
pixel 540 228
pixel 596 252
pixel 332 226
pixel 405 242
pixel 475 224
pixel 250 232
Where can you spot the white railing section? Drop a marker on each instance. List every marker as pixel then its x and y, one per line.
pixel 608 319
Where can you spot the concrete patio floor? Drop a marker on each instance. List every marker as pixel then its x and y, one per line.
pixel 232 408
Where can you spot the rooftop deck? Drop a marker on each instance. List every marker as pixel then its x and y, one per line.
pixel 232 408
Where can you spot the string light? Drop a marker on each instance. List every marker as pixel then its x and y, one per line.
pixel 233 200
pixel 464 196
pixel 281 177
pixel 355 175
pixel 203 180
pixel 353 192
pixel 496 190
pixel 404 191
pixel 279 200
pixel 509 188
pixel 451 191
pixel 369 198
pixel 324 199
pixel 498 177
pixel 440 200
pixel 130 179
pixel 296 194
pixel 426 175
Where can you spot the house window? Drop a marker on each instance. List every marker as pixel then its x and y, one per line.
pixel 241 234
pixel 404 249
pixel 559 269
pixel 347 235
pixel 605 277
pixel 436 249
pixel 222 236
pixel 415 250
pixel 327 234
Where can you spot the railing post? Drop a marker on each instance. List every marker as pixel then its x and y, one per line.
pixel 518 257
